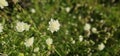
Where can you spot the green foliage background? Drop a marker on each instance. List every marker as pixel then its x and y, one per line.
pixel 72 23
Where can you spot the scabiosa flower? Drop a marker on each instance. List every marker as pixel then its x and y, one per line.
pixel 94 30
pixel 26 26
pixel 1 28
pixel 18 16
pixel 54 25
pixel 49 41
pixel 36 49
pixel 67 9
pixel 80 38
pixel 33 10
pixel 3 3
pixel 73 41
pixel 87 27
pixel 29 42
pixel 21 26
pixel 101 46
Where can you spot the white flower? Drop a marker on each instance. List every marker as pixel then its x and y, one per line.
pixel 101 46
pixel 33 10
pixel 79 17
pixel 49 41
pixel 94 30
pixel 36 49
pixel 1 28
pixel 3 3
pixel 80 38
pixel 21 26
pixel 3 42
pixel 54 25
pixel 29 42
pixel 73 41
pixel 102 21
pixel 87 27
pixel 91 19
pixel 18 16
pixel 26 26
pixel 67 9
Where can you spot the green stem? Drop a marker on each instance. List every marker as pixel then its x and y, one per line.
pixel 57 52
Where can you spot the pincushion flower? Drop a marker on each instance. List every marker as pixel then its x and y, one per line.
pixel 49 41
pixel 36 49
pixel 21 26
pixel 73 41
pixel 29 42
pixel 54 25
pixel 33 10
pixel 94 30
pixel 1 27
pixel 67 9
pixel 101 46
pixel 87 27
pixel 80 38
pixel 3 3
pixel 26 26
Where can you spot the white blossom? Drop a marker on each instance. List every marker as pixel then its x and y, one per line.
pixel 29 42
pixel 91 19
pixel 80 38
pixel 67 9
pixel 1 28
pixel 73 41
pixel 36 49
pixel 49 41
pixel 54 25
pixel 18 16
pixel 79 17
pixel 102 21
pixel 3 3
pixel 94 30
pixel 101 46
pixel 26 26
pixel 33 10
pixel 87 27
pixel 21 26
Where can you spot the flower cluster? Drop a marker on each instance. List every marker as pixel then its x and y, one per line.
pixel 29 42
pixel 49 41
pixel 101 46
pixel 87 27
pixel 21 26
pixel 54 25
pixel 3 3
